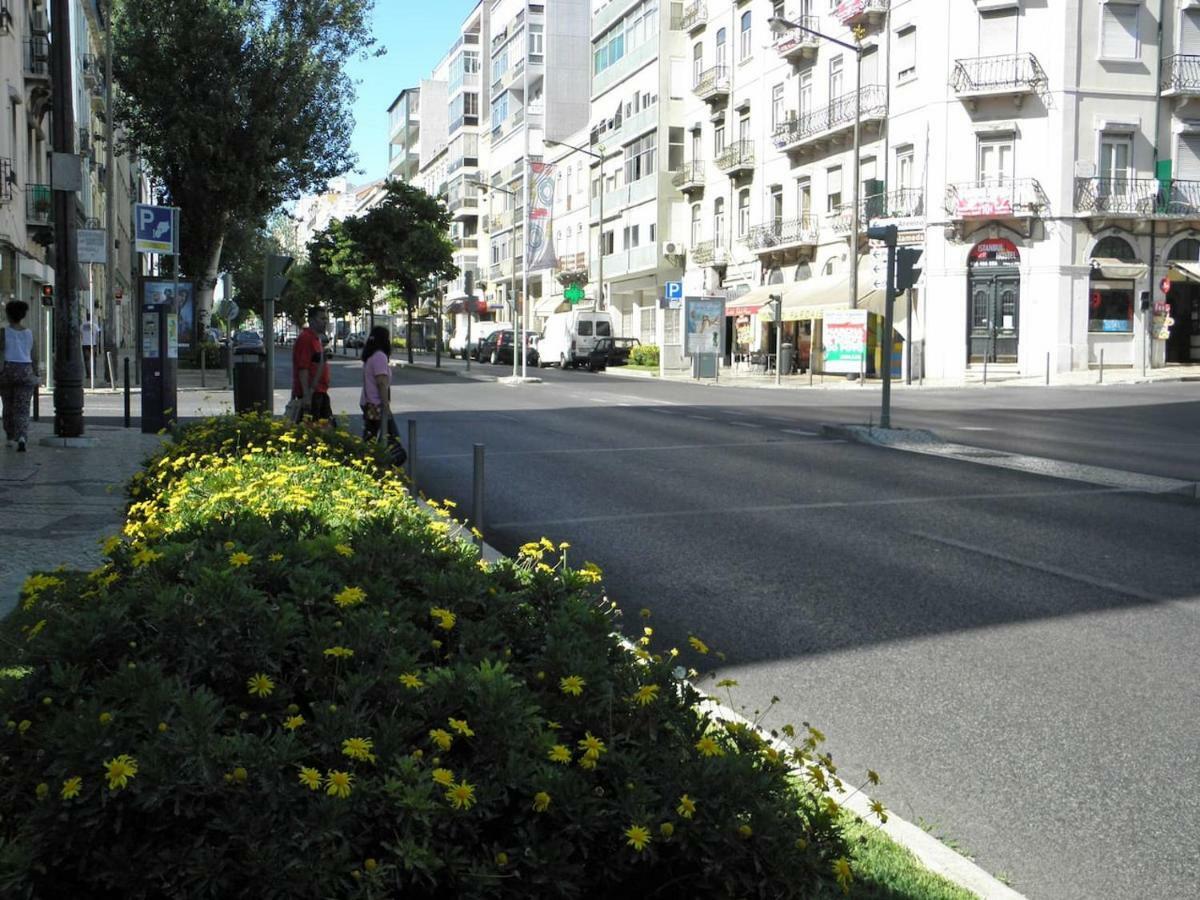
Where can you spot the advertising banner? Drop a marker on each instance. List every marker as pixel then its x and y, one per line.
pixel 162 290
pixel 846 341
pixel 704 320
pixel 540 248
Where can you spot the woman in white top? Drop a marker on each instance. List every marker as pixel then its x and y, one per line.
pixel 18 378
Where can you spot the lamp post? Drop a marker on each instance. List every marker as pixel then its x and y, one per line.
pixel 600 242
pixel 779 25
pixel 483 187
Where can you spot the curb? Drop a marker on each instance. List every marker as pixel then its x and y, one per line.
pixel 448 373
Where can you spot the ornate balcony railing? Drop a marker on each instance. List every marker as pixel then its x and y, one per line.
pixel 572 268
pixel 906 203
pixel 1181 74
pixel 993 198
pixel 736 157
pixel 37 57
pixel 6 180
pixel 1006 74
pixel 853 12
pixel 1137 197
pixel 690 175
pixel 712 82
pixel 708 253
pixel 695 16
pixel 780 234
pixel 795 131
pixel 797 42
pixel 39 206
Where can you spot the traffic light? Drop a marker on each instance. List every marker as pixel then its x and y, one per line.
pixel 885 233
pixel 275 280
pixel 907 271
pixel 47 295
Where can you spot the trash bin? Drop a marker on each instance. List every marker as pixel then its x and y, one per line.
pixel 785 358
pixel 250 381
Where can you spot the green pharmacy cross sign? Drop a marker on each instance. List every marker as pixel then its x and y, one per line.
pixel 573 293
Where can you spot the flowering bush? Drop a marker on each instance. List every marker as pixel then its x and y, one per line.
pixel 287 681
pixel 644 355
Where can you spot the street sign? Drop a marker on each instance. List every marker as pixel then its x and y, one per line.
pixel 879 267
pixel 673 290
pixel 154 228
pixel 91 245
pixel 573 293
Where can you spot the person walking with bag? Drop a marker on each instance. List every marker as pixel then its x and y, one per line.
pixel 18 377
pixel 376 397
pixel 310 368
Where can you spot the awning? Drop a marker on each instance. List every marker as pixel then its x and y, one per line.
pixel 810 299
pixel 1189 270
pixel 1118 269
pixel 740 308
pixel 547 306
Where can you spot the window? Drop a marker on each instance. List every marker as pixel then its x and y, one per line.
pixel 995 160
pixel 1110 307
pixel 721 42
pixel 718 139
pixel 1119 30
pixel 695 225
pixel 606 242
pixel 836 78
pixel 743 212
pixel 537 42
pixel 1115 153
pixel 804 197
pixel 639 158
pixel 777 207
pixel 1113 247
pixel 776 106
pixel 746 48
pixel 674 149
pixel 833 188
pixel 904 167
pixel 647 316
pixel 806 93
pixel 585 327
pixel 998 31
pixel 697 63
pixel 906 54
pixel 697 147
pixel 744 127
pixel 718 219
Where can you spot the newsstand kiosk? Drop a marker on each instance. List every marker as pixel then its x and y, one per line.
pixel 159 325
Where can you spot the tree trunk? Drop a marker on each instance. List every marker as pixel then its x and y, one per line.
pixel 409 311
pixel 206 284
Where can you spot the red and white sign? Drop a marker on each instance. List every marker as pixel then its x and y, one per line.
pixel 982 202
pixel 995 251
pixel 1165 285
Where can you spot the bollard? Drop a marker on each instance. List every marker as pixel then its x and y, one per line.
pixel 37 393
pixel 127 392
pixel 985 368
pixel 412 450
pixel 1101 365
pixel 1047 367
pixel 477 495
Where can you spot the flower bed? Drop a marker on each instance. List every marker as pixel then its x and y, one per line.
pixel 288 681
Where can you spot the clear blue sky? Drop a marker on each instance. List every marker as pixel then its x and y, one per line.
pixel 416 33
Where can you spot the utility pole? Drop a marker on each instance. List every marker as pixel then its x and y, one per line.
pixel 68 354
pixel 110 250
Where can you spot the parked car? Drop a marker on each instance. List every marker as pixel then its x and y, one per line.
pixel 479 330
pixel 497 348
pixel 485 350
pixel 355 340
pixel 248 342
pixel 568 337
pixel 617 349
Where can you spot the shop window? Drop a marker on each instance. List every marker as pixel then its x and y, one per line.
pixel 1113 247
pixel 1110 307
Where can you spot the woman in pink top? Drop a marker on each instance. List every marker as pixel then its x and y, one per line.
pixel 376 397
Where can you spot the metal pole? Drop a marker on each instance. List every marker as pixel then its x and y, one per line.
pixel 600 304
pixel 412 450
pixel 68 358
pixel 513 299
pixel 477 492
pixel 110 245
pixel 127 401
pixel 1047 367
pixel 985 362
pixel 441 319
pixel 908 329
pixel 1101 365
pixel 885 355
pixel 778 335
pixel 854 221
pixel 469 287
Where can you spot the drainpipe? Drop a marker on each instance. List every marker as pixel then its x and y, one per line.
pixel 1146 361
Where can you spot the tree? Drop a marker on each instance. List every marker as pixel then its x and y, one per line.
pixel 404 240
pixel 337 272
pixel 237 105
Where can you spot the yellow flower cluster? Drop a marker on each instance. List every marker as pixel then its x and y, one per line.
pixel 350 596
pixel 445 618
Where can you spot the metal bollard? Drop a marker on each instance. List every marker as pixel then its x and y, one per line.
pixel 1047 367
pixel 412 450
pixel 127 392
pixel 1101 365
pixel 985 362
pixel 37 393
pixel 477 494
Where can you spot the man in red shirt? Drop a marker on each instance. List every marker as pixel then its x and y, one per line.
pixel 310 368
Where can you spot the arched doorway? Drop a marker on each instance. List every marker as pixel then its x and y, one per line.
pixel 993 302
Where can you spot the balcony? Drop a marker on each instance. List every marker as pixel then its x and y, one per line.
pixel 6 16
pixel 1014 75
pixel 694 18
pixel 1137 198
pixel 737 158
pixel 860 12
pixel 465 241
pixel 798 133
pixel 712 84
pixel 996 198
pixel 690 177
pixel 6 180
pixel 905 204
pixel 782 234
pixel 37 58
pixel 39 206
pixel 709 253
pixel 463 208
pixel 634 261
pixel 796 44
pixel 1181 76
pixel 572 268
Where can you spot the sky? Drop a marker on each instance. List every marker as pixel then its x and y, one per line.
pixel 416 33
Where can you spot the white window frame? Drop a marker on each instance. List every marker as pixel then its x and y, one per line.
pixel 745 36
pixel 903 76
pixel 743 212
pixel 1137 37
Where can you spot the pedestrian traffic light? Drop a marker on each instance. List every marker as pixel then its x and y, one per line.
pixel 47 295
pixel 907 271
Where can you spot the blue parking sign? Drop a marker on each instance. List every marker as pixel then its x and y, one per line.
pixel 155 228
pixel 674 290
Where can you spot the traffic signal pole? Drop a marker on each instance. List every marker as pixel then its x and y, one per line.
pixel 889 303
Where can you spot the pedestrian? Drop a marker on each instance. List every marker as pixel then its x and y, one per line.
pixel 376 397
pixel 89 336
pixel 310 368
pixel 18 376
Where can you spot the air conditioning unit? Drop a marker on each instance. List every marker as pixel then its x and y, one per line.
pixel 673 248
pixel 38 23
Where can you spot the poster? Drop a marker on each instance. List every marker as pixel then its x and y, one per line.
pixel 172 336
pixel 704 320
pixel 162 290
pixel 541 222
pixel 846 340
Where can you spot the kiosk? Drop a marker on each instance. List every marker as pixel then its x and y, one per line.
pixel 159 327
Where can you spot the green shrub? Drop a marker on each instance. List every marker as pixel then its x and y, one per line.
pixel 287 680
pixel 212 356
pixel 644 355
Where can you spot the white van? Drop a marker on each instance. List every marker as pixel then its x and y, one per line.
pixel 479 330
pixel 568 337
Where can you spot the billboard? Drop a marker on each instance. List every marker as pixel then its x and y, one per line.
pixel 704 322
pixel 846 341
pixel 162 290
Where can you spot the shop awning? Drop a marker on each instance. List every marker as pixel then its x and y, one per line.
pixel 751 302
pixel 1189 270
pixel 811 298
pixel 547 306
pixel 1119 269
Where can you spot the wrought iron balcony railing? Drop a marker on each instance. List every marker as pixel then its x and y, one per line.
pixel 37 57
pixel 1137 197
pixel 854 12
pixel 689 176
pixel 6 180
pixel 1181 74
pixel 992 198
pixel 796 42
pixel 779 234
pixel 796 131
pixel 1013 73
pixel 905 203
pixel 39 206
pixel 708 253
pixel 6 16
pixel 695 16
pixel 712 82
pixel 736 157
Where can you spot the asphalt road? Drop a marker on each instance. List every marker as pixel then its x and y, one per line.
pixel 1014 654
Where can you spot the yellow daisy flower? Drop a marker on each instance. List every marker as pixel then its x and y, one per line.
pixel 409 680
pixel 572 685
pixel 686 807
pixel 461 796
pixel 444 777
pixel 71 788
pixel 239 559
pixel 275 557
pixel 144 557
pixel 559 754
pixel 460 725
pixel 351 596
pixel 310 778
pixel 442 738
pixel 591 745
pixel 343 549
pixel 698 645
pixel 745 831
pixel 293 722
pixel 666 829
pixel 637 837
pixel 708 747
pixel 119 770
pixel 541 801
pixel 337 783
pixel 260 685
pixel 339 652
pixel 646 694
pixel 446 619
pixel 359 748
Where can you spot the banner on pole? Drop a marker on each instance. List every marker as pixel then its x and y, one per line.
pixel 540 244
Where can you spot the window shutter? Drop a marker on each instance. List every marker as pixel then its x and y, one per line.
pixel 1188 164
pixel 906 51
pixel 833 181
pixel 998 32
pixel 1119 36
pixel 1189 33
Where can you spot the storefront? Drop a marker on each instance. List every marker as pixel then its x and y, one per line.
pixel 1181 323
pixel 1112 302
pixel 993 302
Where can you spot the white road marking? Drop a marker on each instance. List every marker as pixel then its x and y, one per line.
pixel 702 418
pixel 746 424
pixel 798 431
pixel 974 428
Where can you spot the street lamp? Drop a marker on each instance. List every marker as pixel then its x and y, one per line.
pixel 518 332
pixel 780 25
pixel 600 242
